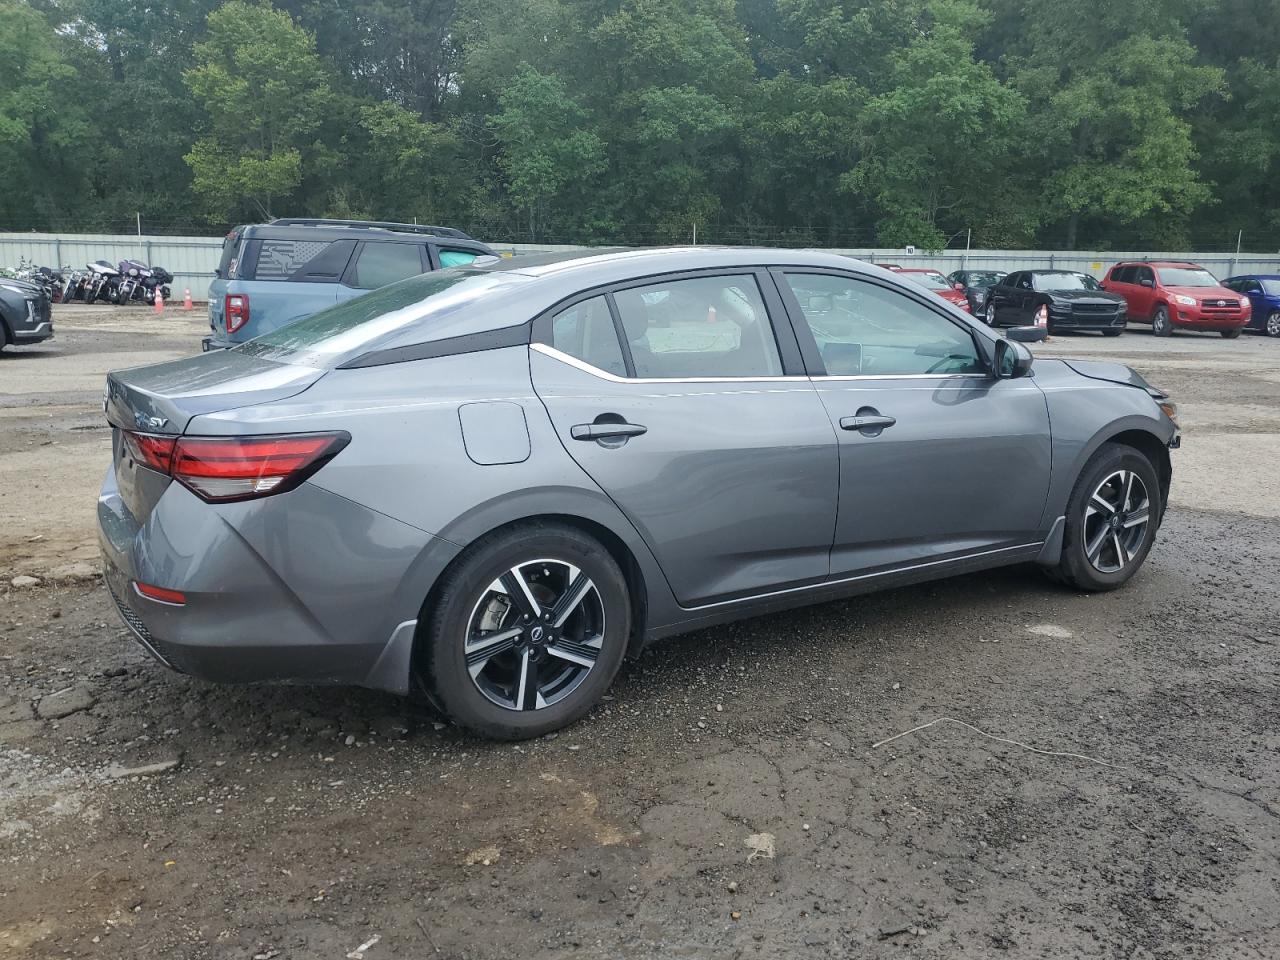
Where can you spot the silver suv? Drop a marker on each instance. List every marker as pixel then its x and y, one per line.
pixel 493 483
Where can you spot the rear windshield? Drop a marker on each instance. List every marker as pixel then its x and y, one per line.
pixel 353 325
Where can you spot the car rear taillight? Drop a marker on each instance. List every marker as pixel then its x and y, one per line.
pixel 151 450
pixel 235 311
pixel 224 469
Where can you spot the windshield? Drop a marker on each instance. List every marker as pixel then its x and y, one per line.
pixel 354 324
pixel 930 281
pixel 1186 277
pixel 1066 281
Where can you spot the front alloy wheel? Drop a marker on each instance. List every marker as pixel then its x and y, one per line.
pixel 991 314
pixel 1116 520
pixel 535 634
pixel 1273 324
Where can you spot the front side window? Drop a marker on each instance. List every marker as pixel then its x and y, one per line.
pixel 699 327
pixel 1141 274
pixel 586 331
pixel 379 264
pixel 863 329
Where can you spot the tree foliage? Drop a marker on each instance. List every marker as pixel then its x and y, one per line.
pixel 1139 123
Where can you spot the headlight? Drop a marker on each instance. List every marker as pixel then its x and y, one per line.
pixel 1170 409
pixel 1185 301
pixel 1244 301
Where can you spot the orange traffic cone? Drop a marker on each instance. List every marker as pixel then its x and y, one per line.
pixel 159 301
pixel 186 300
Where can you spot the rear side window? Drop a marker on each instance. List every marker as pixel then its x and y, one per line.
pixel 378 264
pixel 586 331
pixel 456 258
pixel 305 261
pixel 700 327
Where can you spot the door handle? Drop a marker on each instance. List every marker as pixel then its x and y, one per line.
pixel 606 431
pixel 867 422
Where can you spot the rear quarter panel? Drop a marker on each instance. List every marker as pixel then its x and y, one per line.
pixel 408 459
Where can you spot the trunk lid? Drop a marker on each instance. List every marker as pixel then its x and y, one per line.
pixel 164 397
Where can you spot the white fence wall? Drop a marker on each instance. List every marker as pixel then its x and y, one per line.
pixel 192 259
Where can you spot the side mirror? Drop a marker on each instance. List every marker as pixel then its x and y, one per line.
pixel 1013 360
pixel 1147 283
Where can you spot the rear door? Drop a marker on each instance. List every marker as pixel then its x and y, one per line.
pixel 689 408
pixel 938 459
pixel 377 263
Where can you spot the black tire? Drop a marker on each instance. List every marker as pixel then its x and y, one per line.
pixel 1272 328
pixel 1112 333
pixel 4 336
pixel 1161 325
pixel 1230 334
pixel 1075 567
pixel 442 660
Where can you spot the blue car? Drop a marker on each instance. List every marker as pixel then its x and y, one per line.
pixel 277 273
pixel 1263 291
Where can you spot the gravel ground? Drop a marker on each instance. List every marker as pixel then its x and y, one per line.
pixel 733 798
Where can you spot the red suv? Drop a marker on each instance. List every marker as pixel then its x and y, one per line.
pixel 1173 293
pixel 933 280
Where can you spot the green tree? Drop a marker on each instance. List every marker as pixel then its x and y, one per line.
pixel 943 130
pixel 265 92
pixel 544 153
pixel 45 139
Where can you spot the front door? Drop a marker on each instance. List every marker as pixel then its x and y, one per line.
pixel 675 398
pixel 938 459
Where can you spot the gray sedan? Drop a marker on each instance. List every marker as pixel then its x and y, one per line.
pixel 491 484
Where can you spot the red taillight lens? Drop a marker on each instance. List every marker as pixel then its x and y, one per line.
pixel 150 450
pixel 235 311
pixel 241 468
pixel 221 469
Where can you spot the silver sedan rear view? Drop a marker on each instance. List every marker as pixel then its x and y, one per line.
pixel 492 484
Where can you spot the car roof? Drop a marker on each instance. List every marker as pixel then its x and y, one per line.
pixel 917 270
pixel 612 265
pixel 1074 273
pixel 1254 276
pixel 1159 263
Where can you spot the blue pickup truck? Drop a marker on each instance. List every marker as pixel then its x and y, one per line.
pixel 277 273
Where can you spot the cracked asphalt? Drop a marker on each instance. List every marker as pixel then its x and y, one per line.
pixel 1112 787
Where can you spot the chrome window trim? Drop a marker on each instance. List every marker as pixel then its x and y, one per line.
pixel 585 367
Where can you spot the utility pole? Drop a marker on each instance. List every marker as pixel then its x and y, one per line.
pixel 140 251
pixel 695 233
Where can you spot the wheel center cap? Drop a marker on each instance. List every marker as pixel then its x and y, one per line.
pixel 536 634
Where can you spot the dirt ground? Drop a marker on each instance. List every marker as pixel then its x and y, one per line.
pixel 733 798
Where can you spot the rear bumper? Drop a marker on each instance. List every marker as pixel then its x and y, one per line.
pixel 309 588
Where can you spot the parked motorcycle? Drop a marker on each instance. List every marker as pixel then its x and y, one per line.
pixel 159 279
pixel 102 282
pixel 133 276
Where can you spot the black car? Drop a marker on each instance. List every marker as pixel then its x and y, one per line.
pixel 976 284
pixel 1056 299
pixel 25 313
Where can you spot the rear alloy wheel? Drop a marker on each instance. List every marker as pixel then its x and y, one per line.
pixel 528 632
pixel 1112 518
pixel 1230 334
pixel 1161 326
pixel 1273 324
